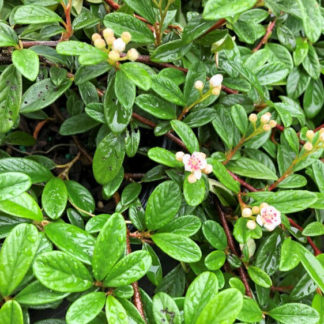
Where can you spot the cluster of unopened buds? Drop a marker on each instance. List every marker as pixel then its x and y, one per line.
pixel 266 122
pixel 313 143
pixel 265 215
pixel 195 163
pixel 115 46
pixel 215 84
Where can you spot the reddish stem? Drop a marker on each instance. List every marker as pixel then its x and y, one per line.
pixel 129 176
pixel 317 251
pixel 68 23
pixel 27 44
pixel 218 24
pixel 113 4
pixel 266 36
pixel 232 247
pixel 242 182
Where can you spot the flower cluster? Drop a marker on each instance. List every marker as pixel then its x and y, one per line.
pixel 115 46
pixel 266 216
pixel 215 84
pixel 266 122
pixel 195 163
pixel 314 141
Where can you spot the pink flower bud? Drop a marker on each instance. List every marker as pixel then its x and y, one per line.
pixel 216 91
pixel 310 135
pixel 208 169
pixel 308 146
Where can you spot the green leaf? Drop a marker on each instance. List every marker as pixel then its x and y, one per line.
pixel 259 276
pixel 318 304
pixel 86 308
pixel 312 265
pixel 26 62
pixel 186 134
pixel 117 115
pixel 224 308
pixel 36 171
pixel 136 73
pixel 178 247
pixel 130 193
pixel 314 229
pixel 32 14
pixel 214 234
pixel 86 73
pixel 314 98
pixel 163 156
pixel 199 293
pixel 318 170
pixel 72 240
pixel 20 138
pixel 223 176
pixel 310 14
pixel 10 98
pixel 112 235
pixel 194 193
pixel 108 158
pixel 11 312
pixel 16 256
pixel 163 205
pixel 250 168
pixel 13 184
pixel 215 260
pixel 297 82
pixel 301 50
pixel 311 63
pixel 144 8
pixel 36 294
pixel 156 106
pixel 129 269
pixel 80 196
pixel 216 9
pixel 250 312
pixel 154 274
pixel 165 310
pixel 240 118
pixel 8 37
pixel 77 124
pixel 289 257
pixel 125 89
pixel 168 90
pixel 272 72
pixel 23 206
pixel 112 186
pixel 54 198
pixel 242 234
pixel 121 22
pixel 42 94
pixel 287 201
pixel 59 271
pixel 115 312
pixel 293 312
pixel 185 225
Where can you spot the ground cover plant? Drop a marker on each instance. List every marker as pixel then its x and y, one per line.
pixel 161 161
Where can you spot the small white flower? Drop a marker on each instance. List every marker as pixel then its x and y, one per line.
pixel 269 218
pixel 119 45
pixel 216 80
pixel 195 163
pixel 199 85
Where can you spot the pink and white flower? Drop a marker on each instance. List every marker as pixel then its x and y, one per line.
pixel 195 163
pixel 269 218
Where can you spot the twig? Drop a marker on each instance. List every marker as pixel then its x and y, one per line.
pixel 129 176
pixel 281 289
pixel 27 44
pixel 232 247
pixel 68 24
pixel 113 4
pixel 242 182
pixel 218 24
pixel 68 166
pixel 265 38
pixel 317 251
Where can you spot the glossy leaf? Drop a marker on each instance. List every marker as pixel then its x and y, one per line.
pixel 11 312
pixel 194 193
pixel 165 309
pixel 163 156
pixel 32 14
pixel 115 312
pixel 13 184
pixel 259 277
pixel 26 62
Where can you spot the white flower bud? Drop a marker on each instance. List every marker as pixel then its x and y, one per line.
pixel 272 123
pixel 192 178
pixel 264 205
pixel 95 36
pixel 108 32
pixel 99 43
pixel 266 127
pixel 251 224
pixel 310 135
pixel 119 45
pixel 179 156
pixel 126 37
pixel 265 118
pixel 308 146
pixel 114 56
pixel 216 91
pixel 253 118
pixel 199 85
pixel 110 40
pixel 246 212
pixel 255 210
pixel 321 137
pixel 216 80
pixel 132 54
pixel 208 169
